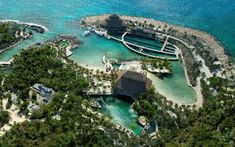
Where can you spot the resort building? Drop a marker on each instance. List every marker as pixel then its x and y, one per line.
pixel 114 25
pixel 33 107
pixel 44 91
pixel 131 84
pixel 216 64
pixel 142 32
pixel 151 129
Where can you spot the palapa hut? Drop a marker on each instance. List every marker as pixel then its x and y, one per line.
pixel 131 84
pixel 142 32
pixel 114 24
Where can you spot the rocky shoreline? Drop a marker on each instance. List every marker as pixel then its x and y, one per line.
pixel 37 27
pixel 205 40
pixel 23 35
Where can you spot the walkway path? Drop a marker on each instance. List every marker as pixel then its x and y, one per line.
pixel 164 45
pixel 197 89
pixel 177 52
pixel 145 48
pixel 186 44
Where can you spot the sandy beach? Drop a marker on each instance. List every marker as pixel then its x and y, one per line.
pixel 207 38
pixel 14 117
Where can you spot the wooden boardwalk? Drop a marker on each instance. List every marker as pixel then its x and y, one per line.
pixel 165 43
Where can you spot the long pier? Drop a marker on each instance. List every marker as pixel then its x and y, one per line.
pixel 165 43
pixel 169 36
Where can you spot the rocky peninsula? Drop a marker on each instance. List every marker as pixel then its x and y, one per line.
pixel 13 32
pixel 204 44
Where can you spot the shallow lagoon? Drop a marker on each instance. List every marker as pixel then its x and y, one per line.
pixel 62 17
pixel 94 48
pixel 91 52
pixel 121 113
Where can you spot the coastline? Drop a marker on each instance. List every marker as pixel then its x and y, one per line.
pixel 24 23
pixel 204 37
pixel 207 38
pixel 11 46
pixel 197 90
pixel 20 23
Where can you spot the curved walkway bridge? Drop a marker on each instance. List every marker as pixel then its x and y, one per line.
pixel 142 48
pixel 171 50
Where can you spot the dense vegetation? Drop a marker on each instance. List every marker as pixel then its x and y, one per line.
pixel 7 34
pixel 211 126
pixel 157 64
pixel 4 117
pixel 65 121
pixel 40 65
pixel 77 127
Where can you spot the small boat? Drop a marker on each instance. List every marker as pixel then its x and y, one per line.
pixel 90 29
pixel 107 36
pixel 100 33
pixel 86 33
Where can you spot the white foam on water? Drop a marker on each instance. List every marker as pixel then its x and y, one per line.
pixel 25 23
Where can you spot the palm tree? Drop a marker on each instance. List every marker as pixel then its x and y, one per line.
pixel 176 106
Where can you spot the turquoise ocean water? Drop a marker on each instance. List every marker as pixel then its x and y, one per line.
pixel 62 17
pixel 214 16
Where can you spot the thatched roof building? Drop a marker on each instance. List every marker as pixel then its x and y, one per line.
pixel 142 32
pixel 114 24
pixel 131 84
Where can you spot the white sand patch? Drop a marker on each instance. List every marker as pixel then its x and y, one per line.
pixel 14 117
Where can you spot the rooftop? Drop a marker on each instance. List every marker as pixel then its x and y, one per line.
pixel 131 84
pixel 134 76
pixel 43 90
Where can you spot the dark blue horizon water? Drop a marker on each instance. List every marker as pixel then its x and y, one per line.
pixel 216 17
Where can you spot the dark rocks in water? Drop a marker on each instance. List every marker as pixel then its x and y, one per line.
pixel 30 33
pixel 163 75
pixel 71 39
pixel 36 28
pixel 38 44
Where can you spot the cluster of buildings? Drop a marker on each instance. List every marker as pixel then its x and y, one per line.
pixel 115 25
pixel 129 83
pixel 45 92
pixel 45 96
